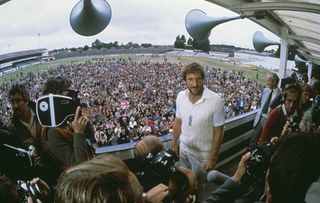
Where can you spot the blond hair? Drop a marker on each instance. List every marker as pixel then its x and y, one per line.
pixel 103 179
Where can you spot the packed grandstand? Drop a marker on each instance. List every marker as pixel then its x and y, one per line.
pixel 137 95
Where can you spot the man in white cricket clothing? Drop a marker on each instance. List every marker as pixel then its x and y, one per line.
pixel 198 124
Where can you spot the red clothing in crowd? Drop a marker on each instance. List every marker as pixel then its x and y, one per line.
pixel 273 126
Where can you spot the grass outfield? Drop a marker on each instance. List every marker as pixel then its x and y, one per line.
pixel 247 72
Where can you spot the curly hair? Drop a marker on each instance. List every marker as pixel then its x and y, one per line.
pixel 19 88
pixel 193 68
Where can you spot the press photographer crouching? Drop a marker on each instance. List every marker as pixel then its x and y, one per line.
pixel 158 166
pixel 66 124
pixel 294 166
pixel 104 179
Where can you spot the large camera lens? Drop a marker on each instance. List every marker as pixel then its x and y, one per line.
pixel 258 163
pixel 161 167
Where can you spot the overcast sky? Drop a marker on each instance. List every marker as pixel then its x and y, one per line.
pixel 139 21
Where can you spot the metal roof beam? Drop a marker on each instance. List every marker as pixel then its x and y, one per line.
pixel 268 6
pixel 309 50
pixel 313 59
pixel 306 39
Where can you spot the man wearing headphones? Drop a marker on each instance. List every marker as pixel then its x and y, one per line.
pixel 288 111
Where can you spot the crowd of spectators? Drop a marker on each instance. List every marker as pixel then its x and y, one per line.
pixel 131 99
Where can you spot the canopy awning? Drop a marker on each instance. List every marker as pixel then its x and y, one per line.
pixel 301 18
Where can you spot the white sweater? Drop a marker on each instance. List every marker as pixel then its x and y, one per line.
pixel 198 121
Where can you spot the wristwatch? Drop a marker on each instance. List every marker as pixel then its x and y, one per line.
pixel 145 197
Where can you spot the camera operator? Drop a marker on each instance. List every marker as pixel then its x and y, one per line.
pixel 288 111
pixel 24 123
pixel 310 109
pixel 34 191
pixel 66 144
pixel 157 167
pixel 106 179
pixel 24 133
pixel 294 166
pixel 307 123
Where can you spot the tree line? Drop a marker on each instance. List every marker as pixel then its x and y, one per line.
pixel 182 43
pixel 196 45
pixel 97 45
pixel 204 45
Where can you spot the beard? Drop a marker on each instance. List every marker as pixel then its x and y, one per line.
pixel 196 90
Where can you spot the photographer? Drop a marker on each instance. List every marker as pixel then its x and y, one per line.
pixel 34 191
pixel 25 134
pixel 66 144
pixel 307 123
pixel 24 123
pixel 14 159
pixel 104 179
pixel 288 111
pixel 157 166
pixel 294 166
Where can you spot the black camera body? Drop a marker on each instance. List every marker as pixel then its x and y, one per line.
pixel 161 166
pixel 294 124
pixel 258 163
pixel 53 110
pixel 34 191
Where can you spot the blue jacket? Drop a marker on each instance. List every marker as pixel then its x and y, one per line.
pixel 228 192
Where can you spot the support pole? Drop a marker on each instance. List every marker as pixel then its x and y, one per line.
pixel 309 66
pixel 283 53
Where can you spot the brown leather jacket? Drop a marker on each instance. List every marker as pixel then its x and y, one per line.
pixel 21 131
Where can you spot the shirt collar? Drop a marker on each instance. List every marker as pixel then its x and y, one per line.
pixel 294 114
pixel 32 118
pixel 205 94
